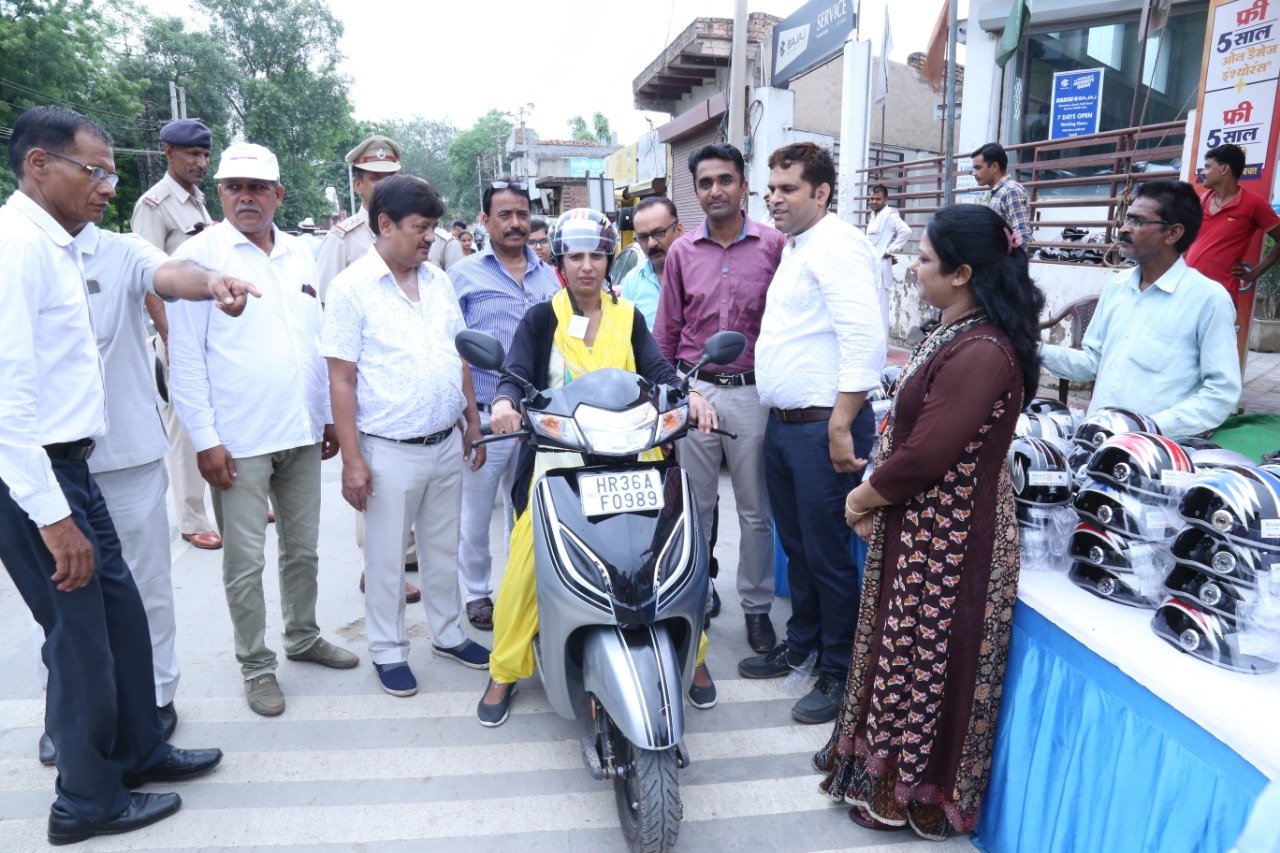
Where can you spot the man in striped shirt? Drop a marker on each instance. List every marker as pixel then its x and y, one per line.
pixel 495 288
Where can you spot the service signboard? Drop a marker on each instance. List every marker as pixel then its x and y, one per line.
pixel 1077 103
pixel 815 33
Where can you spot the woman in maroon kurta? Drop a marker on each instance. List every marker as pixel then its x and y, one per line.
pixel 913 739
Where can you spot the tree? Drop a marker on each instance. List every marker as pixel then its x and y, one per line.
pixel 424 150
pixel 168 52
pixel 63 53
pixel 287 93
pixel 598 131
pixel 474 159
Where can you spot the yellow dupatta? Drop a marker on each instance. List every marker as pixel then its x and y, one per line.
pixel 612 346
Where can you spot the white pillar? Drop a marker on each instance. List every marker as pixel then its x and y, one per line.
pixel 855 124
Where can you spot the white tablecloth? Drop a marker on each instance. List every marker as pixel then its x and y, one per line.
pixel 1243 711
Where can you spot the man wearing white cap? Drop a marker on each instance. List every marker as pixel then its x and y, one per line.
pixel 255 399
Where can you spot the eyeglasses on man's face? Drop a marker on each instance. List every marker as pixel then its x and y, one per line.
pixel 657 234
pixel 96 173
pixel 1138 221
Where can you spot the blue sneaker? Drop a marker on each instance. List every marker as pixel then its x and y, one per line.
pixel 396 678
pixel 468 653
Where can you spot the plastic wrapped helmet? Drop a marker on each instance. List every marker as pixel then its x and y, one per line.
pixel 889 377
pixel 1103 548
pixel 1195 442
pixel 1143 463
pixel 1048 425
pixel 1204 458
pixel 1228 598
pixel 1237 502
pixel 1125 513
pixel 1121 588
pixel 1109 421
pixel 1201 632
pixel 584 230
pixel 1039 473
pixel 1205 551
pixel 1056 411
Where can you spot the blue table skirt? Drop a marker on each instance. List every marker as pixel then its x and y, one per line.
pixel 1089 761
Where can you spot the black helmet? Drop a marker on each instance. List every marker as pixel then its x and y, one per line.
pixel 1045 425
pixel 1227 598
pixel 1201 632
pixel 1121 588
pixel 1109 421
pixel 1125 512
pixel 1207 551
pixel 1239 503
pixel 1140 462
pixel 1039 473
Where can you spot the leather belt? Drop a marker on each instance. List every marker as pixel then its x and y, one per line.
pixel 812 414
pixel 724 380
pixel 74 451
pixel 434 438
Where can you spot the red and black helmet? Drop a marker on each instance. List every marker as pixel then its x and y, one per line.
pixel 1143 463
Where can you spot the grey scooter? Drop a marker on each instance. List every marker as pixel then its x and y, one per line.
pixel 622 576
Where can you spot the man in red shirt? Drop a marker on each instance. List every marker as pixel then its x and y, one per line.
pixel 1232 216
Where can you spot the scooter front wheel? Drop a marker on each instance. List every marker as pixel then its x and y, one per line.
pixel 648 796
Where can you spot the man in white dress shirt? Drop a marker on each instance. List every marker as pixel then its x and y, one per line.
pixel 399 390
pixel 57 539
pixel 889 234
pixel 254 397
pixel 821 348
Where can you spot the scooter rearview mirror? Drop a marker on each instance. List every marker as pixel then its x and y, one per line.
pixel 483 351
pixel 724 347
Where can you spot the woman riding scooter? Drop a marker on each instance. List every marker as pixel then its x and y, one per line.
pixel 582 328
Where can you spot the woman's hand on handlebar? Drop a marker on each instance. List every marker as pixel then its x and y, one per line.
pixel 704 413
pixel 504 418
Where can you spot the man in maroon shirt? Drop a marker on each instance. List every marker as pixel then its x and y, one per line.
pixel 715 278
pixel 1232 216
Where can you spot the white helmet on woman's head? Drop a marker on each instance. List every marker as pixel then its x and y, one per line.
pixel 583 230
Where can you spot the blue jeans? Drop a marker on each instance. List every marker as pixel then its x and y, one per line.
pixel 807 495
pixel 100 709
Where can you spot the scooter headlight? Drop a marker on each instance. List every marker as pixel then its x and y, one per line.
pixel 556 427
pixel 671 422
pixel 619 433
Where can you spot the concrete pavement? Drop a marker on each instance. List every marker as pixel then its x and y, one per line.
pixel 349 767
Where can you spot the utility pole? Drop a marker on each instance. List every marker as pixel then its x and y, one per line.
pixel 738 78
pixel 147 125
pixel 949 139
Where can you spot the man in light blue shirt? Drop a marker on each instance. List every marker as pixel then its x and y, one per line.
pixel 1162 341
pixel 657 226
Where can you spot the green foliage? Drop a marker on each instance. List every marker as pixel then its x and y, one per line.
pixel 65 52
pixel 598 131
pixel 474 160
pixel 287 93
pixel 424 150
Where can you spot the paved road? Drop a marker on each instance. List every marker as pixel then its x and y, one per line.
pixel 349 767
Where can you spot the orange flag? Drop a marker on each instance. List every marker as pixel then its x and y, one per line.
pixel 935 64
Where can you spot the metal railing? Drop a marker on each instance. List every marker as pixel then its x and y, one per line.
pixel 1094 171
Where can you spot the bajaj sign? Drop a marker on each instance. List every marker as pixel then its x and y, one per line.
pixel 814 34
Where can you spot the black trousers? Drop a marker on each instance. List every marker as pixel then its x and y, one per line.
pixel 100 709
pixel 807 496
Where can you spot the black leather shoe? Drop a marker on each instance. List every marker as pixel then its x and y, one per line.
pixel 48 754
pixel 181 764
pixel 143 810
pixel 168 721
pixel 760 635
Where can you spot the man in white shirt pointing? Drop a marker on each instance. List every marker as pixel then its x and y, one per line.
pixel 254 397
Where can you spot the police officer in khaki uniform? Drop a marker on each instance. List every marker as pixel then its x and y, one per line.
pixel 167 215
pixel 349 240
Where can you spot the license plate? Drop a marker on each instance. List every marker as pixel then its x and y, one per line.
pixel 631 491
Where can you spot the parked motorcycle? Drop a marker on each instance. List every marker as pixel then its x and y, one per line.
pixel 622 575
pixel 1091 251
